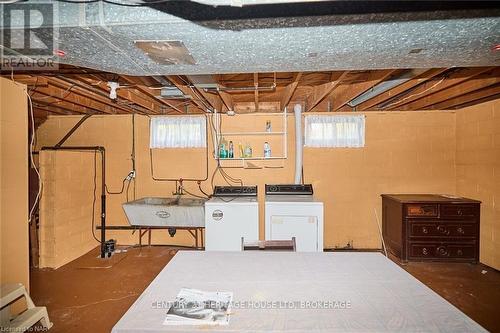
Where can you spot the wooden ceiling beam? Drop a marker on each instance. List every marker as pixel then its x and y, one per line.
pixel 128 93
pixel 30 81
pixel 149 92
pixel 198 97
pixel 399 89
pixel 322 91
pixel 61 107
pixel 289 91
pixel 81 91
pixel 466 87
pixel 225 97
pixel 467 98
pixel 346 92
pixel 256 92
pixel 434 85
pixel 67 97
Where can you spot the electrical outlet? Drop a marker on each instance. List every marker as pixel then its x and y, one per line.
pixel 130 175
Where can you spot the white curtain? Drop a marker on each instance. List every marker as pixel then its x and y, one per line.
pixel 335 131
pixel 178 132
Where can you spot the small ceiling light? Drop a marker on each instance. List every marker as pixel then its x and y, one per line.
pixel 112 89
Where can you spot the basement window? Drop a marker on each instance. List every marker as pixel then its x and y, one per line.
pixel 335 131
pixel 178 132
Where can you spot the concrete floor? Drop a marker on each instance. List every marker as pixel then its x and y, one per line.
pixel 91 294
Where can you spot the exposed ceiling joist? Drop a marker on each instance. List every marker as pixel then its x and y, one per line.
pixel 226 99
pixel 82 89
pixel 62 97
pixel 147 91
pixel 399 89
pixel 31 81
pixel 322 91
pixel 346 92
pixel 467 98
pixel 290 90
pixel 470 85
pixel 127 93
pixel 431 86
pixel 196 96
pixel 256 92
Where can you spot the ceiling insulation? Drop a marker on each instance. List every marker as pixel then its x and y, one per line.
pixel 211 39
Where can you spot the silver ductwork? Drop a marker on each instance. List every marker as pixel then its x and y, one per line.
pixel 190 38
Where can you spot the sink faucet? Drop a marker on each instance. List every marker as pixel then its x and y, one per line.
pixel 178 188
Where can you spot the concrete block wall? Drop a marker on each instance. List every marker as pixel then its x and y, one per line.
pixel 478 171
pixel 66 208
pixel 405 152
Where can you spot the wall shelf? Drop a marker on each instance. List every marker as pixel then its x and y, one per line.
pixel 277 139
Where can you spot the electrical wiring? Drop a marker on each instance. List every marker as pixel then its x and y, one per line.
pixel 32 161
pixel 191 194
pixel 420 93
pixel 31 149
pixel 227 178
pixel 201 190
pixel 119 192
pixel 128 186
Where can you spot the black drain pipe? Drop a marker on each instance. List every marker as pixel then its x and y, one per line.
pixel 102 151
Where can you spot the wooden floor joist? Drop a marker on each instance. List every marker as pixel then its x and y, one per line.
pixel 75 90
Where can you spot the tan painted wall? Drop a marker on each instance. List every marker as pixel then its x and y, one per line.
pixel 478 171
pixel 68 187
pixel 14 255
pixel 405 152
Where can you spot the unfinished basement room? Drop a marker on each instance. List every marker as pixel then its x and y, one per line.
pixel 257 166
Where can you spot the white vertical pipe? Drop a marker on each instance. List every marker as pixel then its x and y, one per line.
pixel 297 109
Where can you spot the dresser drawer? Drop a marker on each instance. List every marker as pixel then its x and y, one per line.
pixel 421 210
pixel 442 229
pixel 458 211
pixel 442 251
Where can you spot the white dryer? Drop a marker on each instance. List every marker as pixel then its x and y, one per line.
pixel 292 211
pixel 232 213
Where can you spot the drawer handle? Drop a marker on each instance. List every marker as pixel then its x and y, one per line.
pixel 424 230
pixel 460 230
pixel 459 212
pixel 425 251
pixel 460 253
pixel 442 251
pixel 443 230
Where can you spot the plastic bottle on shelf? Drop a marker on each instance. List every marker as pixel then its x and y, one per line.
pixel 240 147
pixel 231 150
pixel 267 150
pixel 223 149
pixel 268 126
pixel 248 150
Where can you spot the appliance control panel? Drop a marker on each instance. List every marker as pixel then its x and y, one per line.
pixel 235 191
pixel 289 189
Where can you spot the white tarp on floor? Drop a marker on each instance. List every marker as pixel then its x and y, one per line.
pixel 359 292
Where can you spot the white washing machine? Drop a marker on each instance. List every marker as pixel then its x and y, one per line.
pixel 292 211
pixel 232 213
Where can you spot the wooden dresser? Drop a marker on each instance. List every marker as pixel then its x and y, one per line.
pixel 420 227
